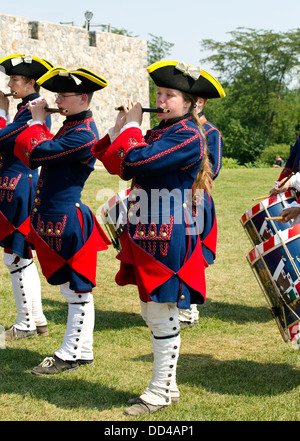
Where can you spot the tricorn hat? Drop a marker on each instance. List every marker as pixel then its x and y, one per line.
pixel 27 65
pixel 80 80
pixel 186 78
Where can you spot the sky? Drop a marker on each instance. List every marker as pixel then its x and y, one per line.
pixel 183 23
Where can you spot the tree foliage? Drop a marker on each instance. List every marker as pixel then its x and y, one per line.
pixel 258 70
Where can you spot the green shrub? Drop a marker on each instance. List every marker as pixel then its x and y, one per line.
pixel 268 155
pixel 230 163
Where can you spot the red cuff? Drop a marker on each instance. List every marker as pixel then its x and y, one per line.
pixel 114 156
pixel 2 122
pixel 101 147
pixel 29 139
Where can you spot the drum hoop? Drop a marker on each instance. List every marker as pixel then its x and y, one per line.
pixel 275 241
pixel 258 208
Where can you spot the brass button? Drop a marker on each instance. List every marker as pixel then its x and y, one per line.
pixel 30 176
pixel 77 204
pixel 164 234
pixel 41 230
pixel 122 155
pixel 36 200
pixel 48 231
pixel 151 233
pixel 184 205
pixel 35 210
pixel 182 297
pixel 141 233
pixel 38 192
pixel 57 231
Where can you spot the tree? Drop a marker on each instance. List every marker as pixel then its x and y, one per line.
pixel 257 66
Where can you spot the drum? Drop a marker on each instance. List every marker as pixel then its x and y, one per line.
pixel 254 220
pixel 114 214
pixel 276 266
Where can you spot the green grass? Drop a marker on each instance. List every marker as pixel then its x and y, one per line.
pixel 234 366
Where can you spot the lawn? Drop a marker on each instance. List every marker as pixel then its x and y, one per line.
pixel 233 366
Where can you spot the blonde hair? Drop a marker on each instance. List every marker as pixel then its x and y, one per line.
pixel 204 178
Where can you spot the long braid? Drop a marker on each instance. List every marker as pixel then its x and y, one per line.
pixel 204 178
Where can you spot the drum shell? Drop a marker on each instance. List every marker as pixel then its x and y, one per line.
pixel 114 214
pixel 254 220
pixel 276 265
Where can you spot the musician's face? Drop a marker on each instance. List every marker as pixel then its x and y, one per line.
pixel 17 83
pixel 72 102
pixel 173 100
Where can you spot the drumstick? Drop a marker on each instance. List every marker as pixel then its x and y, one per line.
pixel 275 218
pixel 144 109
pixel 281 185
pixel 11 94
pixel 285 180
pixel 51 110
pixel 261 197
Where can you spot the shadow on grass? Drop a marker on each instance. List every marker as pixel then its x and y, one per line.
pixel 234 312
pixel 237 377
pixel 234 377
pixel 104 320
pixel 66 390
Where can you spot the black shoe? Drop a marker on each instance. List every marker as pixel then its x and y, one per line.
pixel 54 365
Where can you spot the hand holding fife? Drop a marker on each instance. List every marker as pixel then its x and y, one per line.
pixel 281 186
pixel 38 111
pixel 4 102
pixel 134 113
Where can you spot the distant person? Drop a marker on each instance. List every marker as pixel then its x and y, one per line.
pixel 278 162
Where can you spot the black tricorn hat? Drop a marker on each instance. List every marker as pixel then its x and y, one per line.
pixel 186 78
pixel 26 65
pixel 80 80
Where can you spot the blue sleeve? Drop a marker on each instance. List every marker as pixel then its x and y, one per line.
pixel 177 150
pixel 73 147
pixel 9 133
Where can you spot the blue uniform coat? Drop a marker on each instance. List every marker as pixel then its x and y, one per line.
pixel 209 235
pixel 160 253
pixel 64 231
pixel 17 184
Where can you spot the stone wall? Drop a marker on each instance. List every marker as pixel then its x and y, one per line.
pixel 121 60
